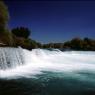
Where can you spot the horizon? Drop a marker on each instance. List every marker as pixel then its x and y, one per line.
pixel 54 21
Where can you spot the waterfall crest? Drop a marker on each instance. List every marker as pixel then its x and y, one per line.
pixel 10 57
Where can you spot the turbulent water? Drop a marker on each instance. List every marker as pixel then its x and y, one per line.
pixel 55 71
pixel 39 60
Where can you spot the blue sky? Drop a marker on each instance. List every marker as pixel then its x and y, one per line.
pixel 54 21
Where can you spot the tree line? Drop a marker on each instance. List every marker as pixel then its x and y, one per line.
pixel 85 44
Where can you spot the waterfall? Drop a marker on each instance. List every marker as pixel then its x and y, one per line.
pixel 18 62
pixel 10 57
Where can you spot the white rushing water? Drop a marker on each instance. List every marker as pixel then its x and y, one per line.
pixel 39 60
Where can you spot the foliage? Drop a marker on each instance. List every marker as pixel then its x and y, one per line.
pixel 5 38
pixel 21 32
pixel 21 38
pixel 25 43
pixel 4 16
pixel 85 44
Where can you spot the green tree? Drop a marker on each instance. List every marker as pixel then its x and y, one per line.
pixel 4 16
pixel 21 32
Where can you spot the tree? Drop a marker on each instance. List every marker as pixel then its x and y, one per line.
pixel 76 44
pixel 21 32
pixel 4 16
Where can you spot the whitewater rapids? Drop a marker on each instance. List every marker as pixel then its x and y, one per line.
pixel 38 61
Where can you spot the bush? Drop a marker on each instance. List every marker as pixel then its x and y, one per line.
pixel 21 32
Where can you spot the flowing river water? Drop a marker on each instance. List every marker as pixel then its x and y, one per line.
pixel 46 72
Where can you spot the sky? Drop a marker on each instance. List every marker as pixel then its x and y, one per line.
pixel 53 21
